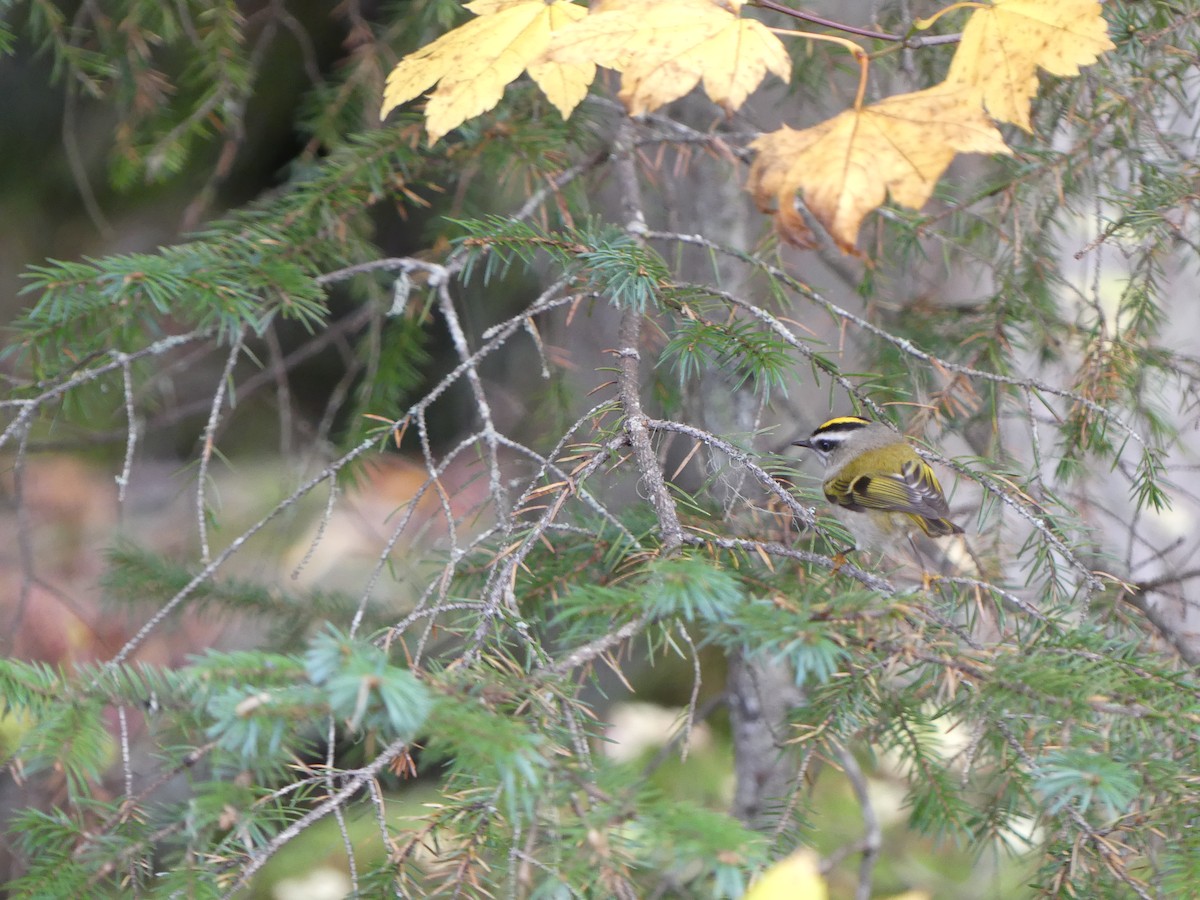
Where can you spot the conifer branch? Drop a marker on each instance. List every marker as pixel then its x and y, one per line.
pixel 628 354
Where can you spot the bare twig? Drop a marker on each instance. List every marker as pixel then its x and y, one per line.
pixel 131 423
pixel 283 391
pixel 590 651
pixel 235 545
pixel 1005 595
pixel 629 355
pixel 1104 849
pixel 866 579
pixel 690 715
pixel 339 813
pixel 24 536
pixel 75 161
pixel 909 41
pixel 501 577
pixel 872 839
pixel 353 783
pixel 742 458
pixel 30 406
pixel 496 488
pixel 900 343
pixel 206 450
pixel 322 524
pixel 133 805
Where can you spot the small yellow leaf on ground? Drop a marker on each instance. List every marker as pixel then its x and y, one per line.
pixel 796 878
pixel 1003 45
pixel 846 166
pixel 664 48
pixel 472 64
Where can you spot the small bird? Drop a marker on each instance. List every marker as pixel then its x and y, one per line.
pixel 881 490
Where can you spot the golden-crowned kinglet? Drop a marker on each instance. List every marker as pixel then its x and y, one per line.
pixel 880 488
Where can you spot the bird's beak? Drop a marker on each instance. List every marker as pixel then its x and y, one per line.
pixel 806 444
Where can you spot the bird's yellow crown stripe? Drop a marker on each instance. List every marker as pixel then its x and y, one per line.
pixel 842 420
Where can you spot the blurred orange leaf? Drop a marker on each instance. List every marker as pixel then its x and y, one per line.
pixel 472 64
pixel 846 166
pixel 1004 44
pixel 664 48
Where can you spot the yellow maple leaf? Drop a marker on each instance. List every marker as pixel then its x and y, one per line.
pixel 1003 45
pixel 664 48
pixel 845 166
pixel 490 7
pixel 798 877
pixel 472 64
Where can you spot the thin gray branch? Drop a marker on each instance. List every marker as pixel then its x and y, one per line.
pixel 742 458
pixel 498 492
pixel 872 840
pixel 590 651
pixel 902 344
pixel 355 780
pixel 206 450
pixel 117 360
pixel 629 354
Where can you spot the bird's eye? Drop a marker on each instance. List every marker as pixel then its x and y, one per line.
pixel 824 444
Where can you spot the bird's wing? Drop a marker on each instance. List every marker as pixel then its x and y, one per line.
pixel 915 490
